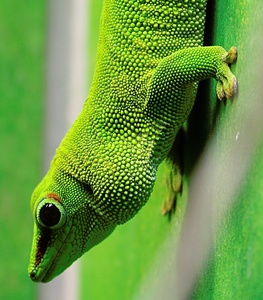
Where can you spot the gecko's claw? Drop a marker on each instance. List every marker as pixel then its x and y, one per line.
pixel 231 55
pixel 227 87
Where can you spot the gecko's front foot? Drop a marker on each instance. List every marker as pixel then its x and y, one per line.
pixel 227 82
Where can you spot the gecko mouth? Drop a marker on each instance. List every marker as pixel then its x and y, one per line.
pixel 44 269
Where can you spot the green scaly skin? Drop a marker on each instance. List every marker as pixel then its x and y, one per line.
pixel 149 63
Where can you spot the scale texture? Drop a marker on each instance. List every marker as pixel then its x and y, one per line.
pixel 150 58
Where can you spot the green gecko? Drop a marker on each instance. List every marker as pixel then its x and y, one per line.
pixel 150 58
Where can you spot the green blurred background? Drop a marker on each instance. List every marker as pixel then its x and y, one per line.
pixel 22 80
pixel 136 262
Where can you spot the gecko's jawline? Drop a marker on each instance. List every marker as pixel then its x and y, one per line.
pixel 42 274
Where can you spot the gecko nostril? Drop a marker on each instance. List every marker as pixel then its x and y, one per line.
pixel 32 274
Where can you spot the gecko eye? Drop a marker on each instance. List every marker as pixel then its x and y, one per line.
pixel 50 213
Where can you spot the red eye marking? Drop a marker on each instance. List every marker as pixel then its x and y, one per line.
pixel 54 196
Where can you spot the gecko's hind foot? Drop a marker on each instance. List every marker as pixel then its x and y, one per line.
pixel 173 175
pixel 227 82
pixel 174 185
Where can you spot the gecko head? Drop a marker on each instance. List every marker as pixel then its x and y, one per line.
pixel 65 226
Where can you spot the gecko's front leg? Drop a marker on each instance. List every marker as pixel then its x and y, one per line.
pixel 179 73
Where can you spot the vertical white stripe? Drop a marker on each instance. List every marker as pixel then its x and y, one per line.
pixel 66 92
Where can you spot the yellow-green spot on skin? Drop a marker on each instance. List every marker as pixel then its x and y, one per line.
pixel 104 170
